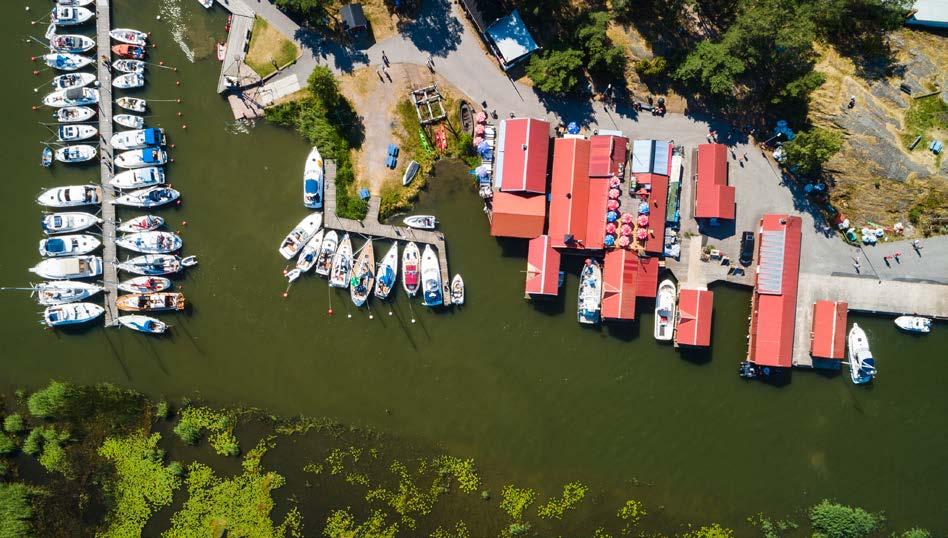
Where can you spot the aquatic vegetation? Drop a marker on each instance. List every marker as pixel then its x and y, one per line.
pixel 573 494
pixel 831 519
pixel 409 501
pixel 341 524
pixel 162 410
pixel 714 530
pixel 15 510
pixel 7 445
pixel 51 401
pixel 459 531
pixel 516 500
pixel 358 478
pixel 335 461
pixel 916 533
pixel 315 468
pixel 46 443
pixel 772 528
pixel 142 484
pixel 13 423
pixel 630 513
pixel 196 420
pixel 463 470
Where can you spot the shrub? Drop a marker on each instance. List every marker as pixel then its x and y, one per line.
pixel 7 446
pixel 195 420
pixel 810 149
pixel 51 401
pixel 830 519
pixel 555 71
pixel 602 57
pixel 651 67
pixel 916 533
pixel 162 409
pixel 16 511
pixel 33 442
pixel 13 424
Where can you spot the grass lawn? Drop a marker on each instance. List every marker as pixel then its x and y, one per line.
pixel 269 49
pixel 925 115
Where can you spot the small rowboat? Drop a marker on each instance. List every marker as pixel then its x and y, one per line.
pixel 410 172
pixel 71 314
pixel 138 139
pixel 156 196
pixel 132 103
pixel 421 222
pixel 433 290
pixel 142 324
pixel 64 291
pixel 72 43
pixel 326 252
pixel 144 223
pixel 156 264
pixel 65 61
pixel 130 121
pixel 341 264
pixel 300 235
pixel 129 66
pixel 457 290
pixel 71 196
pixel 73 114
pixel 75 154
pixel 387 272
pixel 363 275
pixel 70 16
pixel 128 36
pixel 72 97
pixel 124 50
pixel 69 268
pixel 144 284
pixel 138 178
pixel 75 133
pixel 47 158
pixel 151 302
pixel 410 269
pixel 72 80
pixel 68 245
pixel 307 257
pixel 151 156
pixel 221 51
pixel 128 81
pixel 154 242
pixel 68 222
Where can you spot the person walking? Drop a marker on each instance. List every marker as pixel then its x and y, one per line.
pixel 852 101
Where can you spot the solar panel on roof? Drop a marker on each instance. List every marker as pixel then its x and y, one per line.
pixel 770 276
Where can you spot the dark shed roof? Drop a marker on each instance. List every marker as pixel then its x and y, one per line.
pixel 353 16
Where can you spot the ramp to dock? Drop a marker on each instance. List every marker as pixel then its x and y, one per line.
pixel 109 257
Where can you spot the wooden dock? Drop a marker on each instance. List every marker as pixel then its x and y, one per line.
pixel 234 72
pixel 371 226
pixel 109 257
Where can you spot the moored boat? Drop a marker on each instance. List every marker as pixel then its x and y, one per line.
pixel 421 222
pixel 153 242
pixel 208 4
pixel 411 258
pixel 69 15
pixel 130 121
pixel 457 290
pixel 156 196
pixel 68 222
pixel 665 310
pixel 68 268
pixel 46 158
pixel 73 114
pixel 71 196
pixel 128 81
pixel 410 172
pixel 862 366
pixel 326 252
pixel 144 284
pixel 151 302
pixel 125 65
pixel 72 97
pixel 313 180
pixel 156 264
pixel 71 43
pixel 387 272
pixel 308 256
pixel 914 324
pixel 78 153
pixel 125 50
pixel 129 36
pixel 74 3
pixel 132 103
pixel 75 133
pixel 363 275
pixel 589 302
pixel 142 324
pixel 71 314
pixel 68 245
pixel 432 287
pixel 143 223
pixel 65 61
pixel 72 80
pixel 150 156
pixel 138 139
pixel 138 178
pixel 64 291
pixel 341 264
pixel 300 234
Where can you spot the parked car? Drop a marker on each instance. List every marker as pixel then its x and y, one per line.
pixel 747 248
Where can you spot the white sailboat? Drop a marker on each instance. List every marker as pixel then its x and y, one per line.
pixel 300 234
pixel 387 272
pixel 64 291
pixel 308 256
pixel 341 264
pixel 326 252
pixel 153 242
pixel 665 310
pixel 156 196
pixel 862 367
pixel 363 275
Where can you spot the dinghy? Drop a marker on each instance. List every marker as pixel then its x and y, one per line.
pixel 73 114
pixel 665 310
pixel 129 66
pixel 138 158
pixel 326 252
pixel 410 268
pixel 132 103
pixel 72 80
pixel 128 36
pixel 862 367
pixel 410 172
pixel 313 180
pixel 68 245
pixel 79 153
pixel 156 264
pixel 302 233
pixel 144 223
pixel 341 264
pixel 138 178
pixel 457 290
pixel 68 268
pixel 432 288
pixel 50 31
pixel 138 139
pixel 914 324
pixel 307 257
pixel 71 196
pixel 363 275
pixel 64 291
pixel 151 197
pixel 70 222
pixel 71 43
pixel 150 242
pixel 72 97
pixel 151 302
pixel 75 133
pixel 71 314
pixel 142 324
pixel 66 62
pixel 128 81
pixel 130 121
pixel 589 302
pixel 133 52
pixel 144 284
pixel 46 159
pixel 387 272
pixel 70 16
pixel 421 222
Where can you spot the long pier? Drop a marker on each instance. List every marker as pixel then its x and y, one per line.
pixel 103 23
pixel 372 227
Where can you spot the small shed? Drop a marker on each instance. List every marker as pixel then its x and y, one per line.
pixel 828 334
pixel 512 40
pixel 353 17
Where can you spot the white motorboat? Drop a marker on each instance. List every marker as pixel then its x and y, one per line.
pixel 128 81
pixel 126 65
pixel 64 291
pixel 72 97
pixel 341 264
pixel 411 259
pixel 142 324
pixel 303 232
pixel 154 242
pixel 68 245
pixel 156 196
pixel 73 114
pixel 71 314
pixel 432 287
pixel 307 257
pixel 589 302
pixel 65 61
pixel 138 139
pixel 75 133
pixel 69 268
pixel 421 222
pixel 326 252
pixel 69 222
pixel 74 3
pixel 144 284
pixel 71 196
pixel 862 367
pixel 132 103
pixel 208 4
pixel 386 274
pixel 69 15
pixel 79 153
pixel 156 264
pixel 130 121
pixel 665 310
pixel 914 324
pixel 457 290
pixel 144 223
pixel 151 302
pixel 138 178
pixel 313 180
pixel 410 172
pixel 72 80
pixel 363 275
pixel 129 36
pixel 71 43
pixel 150 156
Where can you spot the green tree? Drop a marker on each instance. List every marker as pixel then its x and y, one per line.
pixel 312 11
pixel 15 510
pixel 7 446
pixel 555 71
pixel 833 520
pixel 810 149
pixel 710 67
pixel 13 423
pixel 602 57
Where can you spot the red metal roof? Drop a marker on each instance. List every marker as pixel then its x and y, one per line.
pixel 657 202
pixel 774 303
pixel 543 267
pixel 646 281
pixel 526 151
pixel 569 191
pixel 618 277
pixel 606 154
pixel 518 215
pixel 828 336
pixel 714 198
pixel 596 213
pixel 694 318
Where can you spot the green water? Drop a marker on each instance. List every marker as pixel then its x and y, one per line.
pixel 522 388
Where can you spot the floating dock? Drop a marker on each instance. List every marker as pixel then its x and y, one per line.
pixel 103 24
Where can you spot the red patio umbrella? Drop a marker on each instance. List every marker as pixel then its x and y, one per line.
pixel 642 233
pixel 643 220
pixel 612 205
pixel 614 182
pixel 627 218
pixel 625 230
pixel 481 117
pixel 610 228
pixel 614 193
pixel 623 241
pixel 479 129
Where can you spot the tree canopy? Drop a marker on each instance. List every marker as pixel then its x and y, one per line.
pixel 555 71
pixel 810 149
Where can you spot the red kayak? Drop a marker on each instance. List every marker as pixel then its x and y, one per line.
pixel 133 52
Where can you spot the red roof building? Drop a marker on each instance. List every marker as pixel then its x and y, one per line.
pixel 569 192
pixel 657 202
pixel 694 318
pixel 522 153
pixel 543 267
pixel 607 153
pixel 714 198
pixel 596 213
pixel 517 215
pixel 774 302
pixel 626 277
pixel 828 335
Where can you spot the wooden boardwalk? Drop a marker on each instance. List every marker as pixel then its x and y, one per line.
pixel 233 69
pixel 371 226
pixel 109 257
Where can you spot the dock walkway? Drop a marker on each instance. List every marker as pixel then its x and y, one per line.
pixel 109 257
pixel 233 70
pixel 371 226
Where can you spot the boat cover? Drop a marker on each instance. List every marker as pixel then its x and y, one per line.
pixel 152 137
pixel 150 155
pixel 55 245
pixel 311 186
